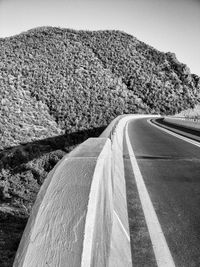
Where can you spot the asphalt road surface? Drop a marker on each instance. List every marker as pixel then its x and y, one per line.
pixel 170 168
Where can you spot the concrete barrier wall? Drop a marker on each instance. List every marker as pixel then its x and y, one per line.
pixel 191 124
pixel 120 239
pixel 98 225
pixel 71 221
pixel 80 215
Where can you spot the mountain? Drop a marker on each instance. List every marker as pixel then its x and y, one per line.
pixel 57 80
pixel 60 86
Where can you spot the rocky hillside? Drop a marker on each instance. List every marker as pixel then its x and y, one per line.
pixel 60 86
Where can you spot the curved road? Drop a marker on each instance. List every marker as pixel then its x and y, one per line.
pixel 170 168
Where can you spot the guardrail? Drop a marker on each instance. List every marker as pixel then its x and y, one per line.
pixel 80 215
pixel 192 124
pixel 194 119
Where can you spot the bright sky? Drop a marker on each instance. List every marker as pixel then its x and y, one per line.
pixel 168 25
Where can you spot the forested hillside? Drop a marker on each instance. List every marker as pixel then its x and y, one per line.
pixel 58 80
pixel 57 88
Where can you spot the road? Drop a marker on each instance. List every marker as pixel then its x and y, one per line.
pixel 170 168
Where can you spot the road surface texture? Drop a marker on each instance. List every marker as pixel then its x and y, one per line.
pixel 170 168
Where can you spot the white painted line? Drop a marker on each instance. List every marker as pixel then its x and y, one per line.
pixel 160 247
pixel 187 139
pixel 126 234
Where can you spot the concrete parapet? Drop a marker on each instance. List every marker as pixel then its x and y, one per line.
pixel 73 205
pixel 184 122
pixel 120 254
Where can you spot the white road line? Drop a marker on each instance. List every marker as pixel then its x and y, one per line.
pixel 187 139
pixel 160 247
pixel 126 234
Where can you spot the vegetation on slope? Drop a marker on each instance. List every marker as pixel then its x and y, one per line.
pixel 193 113
pixel 57 88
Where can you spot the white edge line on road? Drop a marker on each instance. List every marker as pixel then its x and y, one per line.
pixel 187 139
pixel 124 230
pixel 160 247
